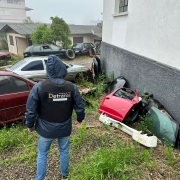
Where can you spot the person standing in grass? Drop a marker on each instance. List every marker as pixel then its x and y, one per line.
pixel 49 109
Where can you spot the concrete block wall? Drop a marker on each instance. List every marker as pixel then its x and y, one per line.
pixel 144 75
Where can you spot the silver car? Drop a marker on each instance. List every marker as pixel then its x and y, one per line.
pixel 35 68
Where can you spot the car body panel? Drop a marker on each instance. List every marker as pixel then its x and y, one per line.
pixel 39 72
pixel 162 126
pixel 119 104
pixel 13 98
pixel 144 139
pixel 115 84
pixel 44 50
pixel 5 56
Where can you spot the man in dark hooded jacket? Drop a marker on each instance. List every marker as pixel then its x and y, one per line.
pixel 49 109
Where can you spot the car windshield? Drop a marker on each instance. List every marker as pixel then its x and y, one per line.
pixel 13 67
pixel 162 126
pixel 77 46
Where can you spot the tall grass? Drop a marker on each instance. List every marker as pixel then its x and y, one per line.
pixel 110 163
pixel 15 137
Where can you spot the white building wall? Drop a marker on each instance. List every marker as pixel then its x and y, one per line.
pixel 13 48
pixel 151 28
pixel 10 12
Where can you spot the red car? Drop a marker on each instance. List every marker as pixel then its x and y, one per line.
pixel 120 104
pixel 5 56
pixel 14 91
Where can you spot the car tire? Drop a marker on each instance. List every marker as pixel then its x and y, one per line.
pixel 95 66
pixel 78 78
pixel 99 64
pixel 70 54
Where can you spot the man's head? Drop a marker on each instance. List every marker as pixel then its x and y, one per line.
pixel 55 67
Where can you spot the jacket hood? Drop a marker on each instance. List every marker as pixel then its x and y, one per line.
pixel 55 68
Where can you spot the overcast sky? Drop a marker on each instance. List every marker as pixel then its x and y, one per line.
pixel 80 12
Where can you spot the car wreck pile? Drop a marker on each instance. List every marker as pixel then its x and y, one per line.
pixel 122 107
pixel 121 103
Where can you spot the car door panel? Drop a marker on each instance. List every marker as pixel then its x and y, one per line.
pixel 34 69
pixel 12 106
pixel 13 96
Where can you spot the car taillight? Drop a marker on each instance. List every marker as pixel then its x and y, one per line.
pixel 30 49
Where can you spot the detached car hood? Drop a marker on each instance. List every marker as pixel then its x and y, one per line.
pixel 119 104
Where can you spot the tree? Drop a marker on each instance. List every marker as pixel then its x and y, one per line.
pixel 3 40
pixel 42 35
pixel 61 31
pixel 58 32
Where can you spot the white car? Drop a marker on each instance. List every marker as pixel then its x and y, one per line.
pixel 34 68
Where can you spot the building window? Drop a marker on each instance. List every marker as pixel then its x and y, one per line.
pixel 123 6
pixel 77 40
pixel 1 12
pixel 11 40
pixel 14 1
pixel 7 13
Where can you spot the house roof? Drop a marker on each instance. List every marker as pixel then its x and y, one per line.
pixel 27 28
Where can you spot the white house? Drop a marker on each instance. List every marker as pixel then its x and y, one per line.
pixel 141 41
pixel 13 11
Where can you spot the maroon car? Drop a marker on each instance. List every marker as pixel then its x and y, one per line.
pixel 5 56
pixel 14 91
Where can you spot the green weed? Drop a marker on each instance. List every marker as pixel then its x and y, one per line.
pixel 171 159
pixel 144 123
pixel 116 162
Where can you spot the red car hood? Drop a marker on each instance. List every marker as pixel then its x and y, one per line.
pixel 118 107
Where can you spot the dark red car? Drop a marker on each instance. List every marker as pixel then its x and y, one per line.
pixel 5 56
pixel 120 104
pixel 14 91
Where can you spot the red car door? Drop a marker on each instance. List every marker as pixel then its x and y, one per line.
pixel 13 96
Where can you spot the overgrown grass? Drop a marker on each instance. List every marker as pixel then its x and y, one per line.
pixel 115 162
pixel 16 137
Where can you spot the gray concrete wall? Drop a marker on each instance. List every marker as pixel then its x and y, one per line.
pixel 144 75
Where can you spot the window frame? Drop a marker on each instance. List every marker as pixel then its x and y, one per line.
pixel 11 40
pixel 14 2
pixel 78 39
pixel 117 7
pixel 36 63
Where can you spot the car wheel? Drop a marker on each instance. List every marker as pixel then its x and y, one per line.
pixel 95 66
pixel 78 78
pixel 70 54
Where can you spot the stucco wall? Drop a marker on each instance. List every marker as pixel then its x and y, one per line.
pixel 14 49
pixel 144 75
pixel 151 28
